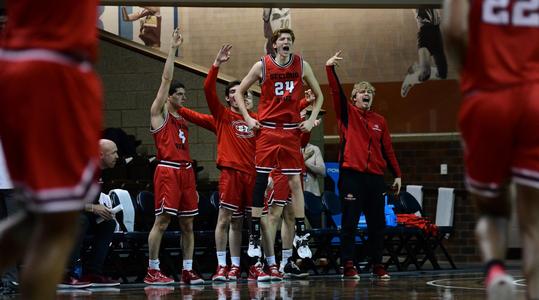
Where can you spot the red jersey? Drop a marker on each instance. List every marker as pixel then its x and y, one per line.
pixel 282 90
pixel 68 26
pixel 235 141
pixel 502 45
pixel 365 141
pixel 171 140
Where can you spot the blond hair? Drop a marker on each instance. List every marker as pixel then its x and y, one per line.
pixel 363 85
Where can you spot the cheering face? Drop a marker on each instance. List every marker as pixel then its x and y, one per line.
pixel 363 99
pixel 284 43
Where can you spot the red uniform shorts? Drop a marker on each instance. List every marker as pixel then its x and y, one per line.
pixel 236 190
pixel 175 189
pixel 279 148
pixel 50 125
pixel 280 194
pixel 500 132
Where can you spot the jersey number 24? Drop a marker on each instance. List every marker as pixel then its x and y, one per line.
pixel 523 12
pixel 280 87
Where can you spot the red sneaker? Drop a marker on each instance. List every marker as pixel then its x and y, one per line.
pixel 257 273
pixel 221 274
pixel 273 272
pixel 155 276
pixel 234 273
pixel 70 282
pixel 100 280
pixel 500 285
pixel 191 278
pixel 380 272
pixel 350 271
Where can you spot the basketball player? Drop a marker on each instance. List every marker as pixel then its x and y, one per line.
pixel 50 133
pixel 235 159
pixel 174 179
pixel 278 144
pixel 275 19
pixel 495 42
pixel 429 44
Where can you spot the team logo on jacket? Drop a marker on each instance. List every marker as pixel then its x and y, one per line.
pixel 242 130
pixel 376 127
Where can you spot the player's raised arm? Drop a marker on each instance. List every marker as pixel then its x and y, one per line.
pixel 254 75
pixel 157 109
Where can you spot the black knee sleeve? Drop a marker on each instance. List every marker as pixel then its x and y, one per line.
pixel 261 183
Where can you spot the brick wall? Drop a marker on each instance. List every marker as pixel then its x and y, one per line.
pixel 420 163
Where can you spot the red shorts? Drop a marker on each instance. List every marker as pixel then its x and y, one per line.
pixel 280 194
pixel 279 149
pixel 501 138
pixel 175 190
pixel 50 127
pixel 236 190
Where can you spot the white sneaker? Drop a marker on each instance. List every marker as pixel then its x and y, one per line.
pixel 411 79
pixel 301 243
pixel 254 247
pixel 500 287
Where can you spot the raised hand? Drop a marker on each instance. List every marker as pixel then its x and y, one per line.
pixel 223 55
pixel 334 60
pixel 177 38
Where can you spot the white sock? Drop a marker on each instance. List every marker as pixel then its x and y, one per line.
pixel 270 260
pixel 188 264
pixel 287 253
pixel 221 258
pixel 235 260
pixel 153 264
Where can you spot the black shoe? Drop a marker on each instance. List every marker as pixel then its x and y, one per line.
pixel 291 270
pixel 9 288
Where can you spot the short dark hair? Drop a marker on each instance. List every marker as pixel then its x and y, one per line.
pixel 277 33
pixel 231 85
pixel 174 86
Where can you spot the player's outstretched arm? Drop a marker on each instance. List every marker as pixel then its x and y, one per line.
pixel 157 109
pixel 210 83
pixel 254 74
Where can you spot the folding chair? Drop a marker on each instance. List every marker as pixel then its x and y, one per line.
pixel 417 192
pixel 445 207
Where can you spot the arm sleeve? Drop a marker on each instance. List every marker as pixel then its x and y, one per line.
pixel 202 120
pixel 210 91
pixel 340 103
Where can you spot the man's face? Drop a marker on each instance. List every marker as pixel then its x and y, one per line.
pixel 109 156
pixel 284 43
pixel 178 98
pixel 363 98
pixel 247 96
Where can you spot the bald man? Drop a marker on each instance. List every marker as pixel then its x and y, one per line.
pixel 102 232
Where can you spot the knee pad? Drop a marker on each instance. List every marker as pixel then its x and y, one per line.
pixel 261 182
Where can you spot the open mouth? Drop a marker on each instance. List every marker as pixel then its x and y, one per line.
pixel 286 48
pixel 366 99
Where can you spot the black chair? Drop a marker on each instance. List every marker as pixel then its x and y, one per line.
pixel 314 210
pixel 332 206
pixel 146 207
pixel 406 203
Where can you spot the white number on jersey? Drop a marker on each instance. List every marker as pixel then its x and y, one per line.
pixel 524 12
pixel 181 134
pixel 280 87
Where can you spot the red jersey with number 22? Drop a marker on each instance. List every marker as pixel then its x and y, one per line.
pixel 503 47
pixel 282 90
